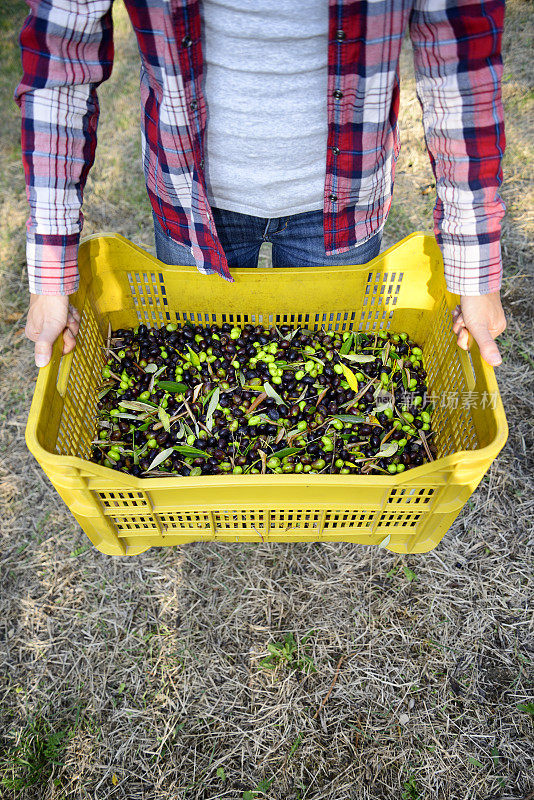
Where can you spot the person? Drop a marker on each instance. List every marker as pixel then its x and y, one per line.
pixel 268 122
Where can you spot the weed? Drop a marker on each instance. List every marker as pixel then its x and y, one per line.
pixel 28 758
pixel 409 574
pixel 290 654
pixel 410 790
pixel 261 789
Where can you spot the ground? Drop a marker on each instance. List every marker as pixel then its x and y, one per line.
pixel 402 677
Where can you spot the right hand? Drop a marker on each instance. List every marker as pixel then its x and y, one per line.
pixel 50 316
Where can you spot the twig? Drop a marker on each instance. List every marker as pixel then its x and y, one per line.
pixel 329 692
pixel 323 393
pixel 195 420
pixel 255 403
pixel 423 439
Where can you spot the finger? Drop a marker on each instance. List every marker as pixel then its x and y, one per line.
pixel 458 324
pixel 463 339
pixel 69 341
pixel 488 348
pixel 73 324
pixel 30 332
pixel 75 313
pixel 43 345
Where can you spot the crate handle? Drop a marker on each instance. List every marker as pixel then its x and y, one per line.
pixel 467 363
pixel 63 372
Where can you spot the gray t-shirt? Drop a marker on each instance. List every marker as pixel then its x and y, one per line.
pixel 265 87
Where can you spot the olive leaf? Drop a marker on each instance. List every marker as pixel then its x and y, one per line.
pixel 195 360
pixel 173 387
pixel 388 449
pixel 206 397
pixel 382 406
pixel 164 418
pixel 349 418
pixel 384 543
pixel 289 336
pixel 103 392
pixel 187 428
pixel 358 358
pixel 137 405
pixel 287 451
pixel 189 451
pixel 214 402
pixel 151 367
pixel 270 392
pixel 347 344
pixel 351 378
pixel 160 458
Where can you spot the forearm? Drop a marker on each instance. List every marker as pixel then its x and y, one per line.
pixel 458 71
pixel 64 57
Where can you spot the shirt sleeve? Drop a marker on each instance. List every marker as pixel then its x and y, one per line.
pixel 458 68
pixel 67 51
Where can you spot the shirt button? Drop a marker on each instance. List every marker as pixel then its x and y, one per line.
pixel 333 198
pixel 193 105
pixel 336 151
pixel 337 94
pixel 340 35
pixel 187 41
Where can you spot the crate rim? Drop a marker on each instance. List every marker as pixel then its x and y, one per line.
pixel 106 474
pixel 242 271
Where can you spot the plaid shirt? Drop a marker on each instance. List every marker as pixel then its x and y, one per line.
pixel 67 51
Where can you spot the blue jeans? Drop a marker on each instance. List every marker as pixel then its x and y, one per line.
pixel 297 241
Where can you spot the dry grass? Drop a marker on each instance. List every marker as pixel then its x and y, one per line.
pixel 141 677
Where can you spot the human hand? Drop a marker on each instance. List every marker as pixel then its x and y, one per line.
pixel 483 318
pixel 49 316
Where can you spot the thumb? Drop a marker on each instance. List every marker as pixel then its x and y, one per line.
pixel 43 345
pixel 488 349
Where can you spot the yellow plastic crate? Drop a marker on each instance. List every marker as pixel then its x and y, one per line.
pixel 402 289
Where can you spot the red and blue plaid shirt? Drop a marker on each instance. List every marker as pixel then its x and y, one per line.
pixel 67 51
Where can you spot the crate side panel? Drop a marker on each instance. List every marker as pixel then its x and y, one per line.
pixel 452 419
pixel 78 420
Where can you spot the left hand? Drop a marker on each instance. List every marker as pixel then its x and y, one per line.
pixel 483 318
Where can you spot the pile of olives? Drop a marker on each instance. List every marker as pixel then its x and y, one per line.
pixel 196 400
